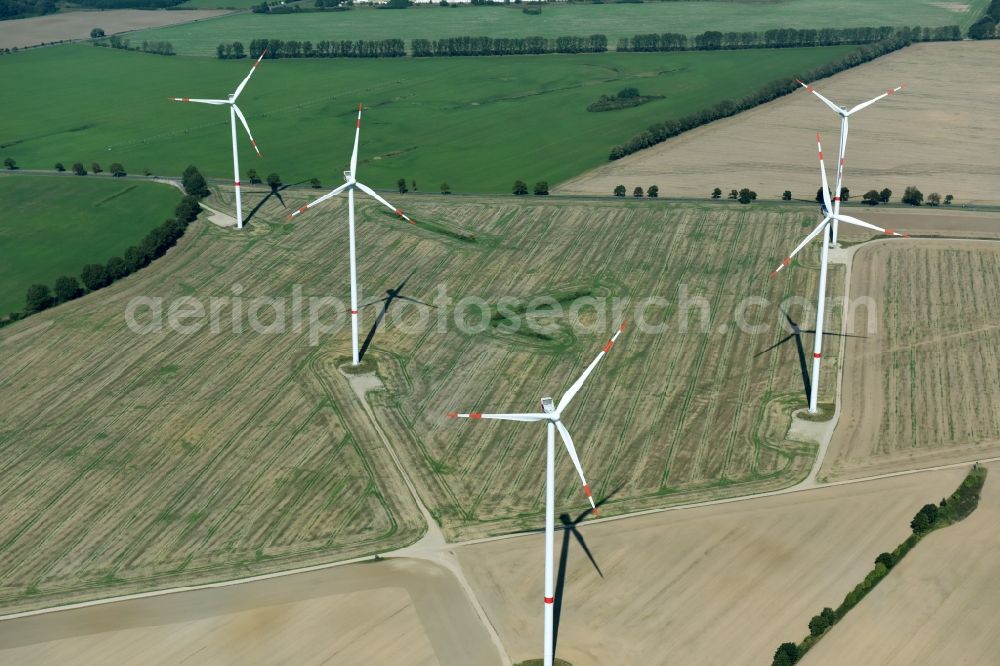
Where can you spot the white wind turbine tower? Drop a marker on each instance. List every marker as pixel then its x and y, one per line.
pixel 844 114
pixel 552 414
pixel 350 184
pixel 234 113
pixel 824 227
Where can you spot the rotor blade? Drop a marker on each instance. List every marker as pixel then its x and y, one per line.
pixel 822 171
pixel 830 104
pixel 370 192
pixel 252 70
pixel 571 450
pixel 855 221
pixel 247 128
pixel 864 105
pixel 321 199
pixel 500 417
pixel 815 232
pixel 357 139
pixel 578 384
pixel 199 101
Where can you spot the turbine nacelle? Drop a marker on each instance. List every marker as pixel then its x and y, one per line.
pixel 549 407
pixel 348 177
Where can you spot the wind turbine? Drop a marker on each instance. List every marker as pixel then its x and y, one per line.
pixel 552 414
pixel 350 184
pixel 234 112
pixel 844 114
pixel 825 228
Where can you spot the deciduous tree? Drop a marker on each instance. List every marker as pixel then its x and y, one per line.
pixel 885 195
pixel 94 276
pixel 542 188
pixel 716 193
pixel 194 183
pixel 913 196
pixel 786 195
pixel 37 298
pixel 620 191
pixel 78 169
pixel 401 185
pixel 653 191
pixel 637 192
pixel 67 288
pixel 520 187
pixel 446 188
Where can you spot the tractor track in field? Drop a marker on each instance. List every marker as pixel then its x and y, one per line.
pixel 433 546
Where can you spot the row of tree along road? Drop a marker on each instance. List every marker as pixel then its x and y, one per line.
pixel 930 517
pixel 481 45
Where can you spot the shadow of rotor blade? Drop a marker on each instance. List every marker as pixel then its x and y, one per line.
pixel 792 325
pixel 560 579
pixel 371 332
pixel 803 366
pixel 277 193
pixel 775 345
pixel 256 208
pixel 838 335
pixel 413 300
pixel 583 544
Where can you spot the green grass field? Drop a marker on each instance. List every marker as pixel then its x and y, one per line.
pixel 613 20
pixel 477 123
pixel 53 226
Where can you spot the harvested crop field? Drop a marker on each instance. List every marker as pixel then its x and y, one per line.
pixel 941 134
pixel 77 25
pixel 938 606
pixel 253 454
pixel 715 585
pixel 390 612
pixel 924 390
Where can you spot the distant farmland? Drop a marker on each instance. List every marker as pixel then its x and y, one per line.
pixel 476 123
pixel 139 460
pixel 612 19
pixel 54 226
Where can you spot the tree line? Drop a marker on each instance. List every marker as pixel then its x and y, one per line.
pixel 986 27
pixel 660 132
pixel 420 48
pixel 783 38
pixel 279 48
pixel 156 47
pixel 930 517
pixel 15 9
pixel 484 46
pixel 97 276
